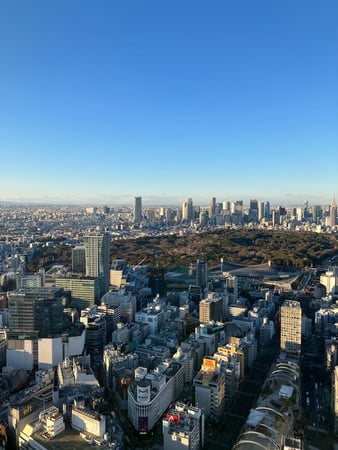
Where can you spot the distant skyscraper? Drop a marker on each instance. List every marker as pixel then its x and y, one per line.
pixel 188 211
pixel 275 217
pixel 137 210
pixel 333 213
pixel 97 251
pixel 316 214
pixel 306 209
pixel 253 210
pixel 260 211
pixel 267 211
pixel 226 206
pixel 212 207
pixel 291 327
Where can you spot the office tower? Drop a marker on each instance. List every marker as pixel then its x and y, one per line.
pixel 306 209
pixel 211 309
pixel 333 213
pixel 202 274
pixel 291 328
pixel 95 323
pixel 203 218
pixel 212 207
pixel 137 210
pixel 316 214
pixel 36 310
pixel 226 206
pixel 97 251
pixel 275 217
pixel 188 211
pixel 34 313
pixel 79 259
pixel 254 204
pixel 267 211
pixel 299 214
pixel 253 210
pixel 260 211
pixel 85 291
pixel 239 205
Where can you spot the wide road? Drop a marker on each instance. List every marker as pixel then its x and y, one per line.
pixel 224 435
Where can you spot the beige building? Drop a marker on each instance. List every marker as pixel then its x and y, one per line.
pixel 88 421
pixel 291 327
pixel 210 389
pixel 211 309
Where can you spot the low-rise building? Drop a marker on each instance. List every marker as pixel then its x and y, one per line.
pixel 87 420
pixel 183 428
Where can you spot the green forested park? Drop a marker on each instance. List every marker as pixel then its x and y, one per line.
pixel 285 249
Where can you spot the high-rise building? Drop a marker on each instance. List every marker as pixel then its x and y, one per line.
pixel 316 214
pixel 188 211
pixel 306 209
pixel 253 210
pixel 36 310
pixel 34 314
pixel 79 259
pixel 212 207
pixel 333 213
pixel 275 217
pixel 291 328
pixel 85 291
pixel 201 274
pixel 97 251
pixel 267 210
pixel 260 211
pixel 226 205
pixel 211 309
pixel 137 210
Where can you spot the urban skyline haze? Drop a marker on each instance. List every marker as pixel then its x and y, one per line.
pixel 168 100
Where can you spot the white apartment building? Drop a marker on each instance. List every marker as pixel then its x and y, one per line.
pixel 153 316
pixel 330 280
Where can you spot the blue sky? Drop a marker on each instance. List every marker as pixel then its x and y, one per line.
pixel 168 99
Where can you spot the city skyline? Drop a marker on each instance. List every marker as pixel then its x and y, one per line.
pixel 169 100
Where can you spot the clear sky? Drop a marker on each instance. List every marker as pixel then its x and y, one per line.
pixel 104 100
